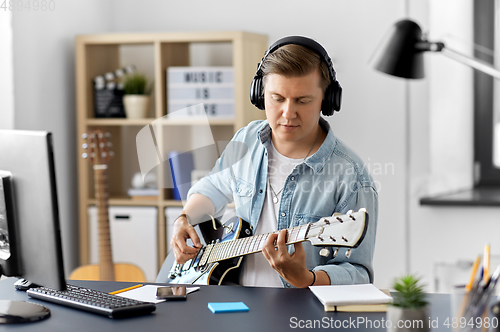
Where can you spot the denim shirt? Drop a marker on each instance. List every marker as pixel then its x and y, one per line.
pixel 334 179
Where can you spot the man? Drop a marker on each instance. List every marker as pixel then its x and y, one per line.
pixel 293 171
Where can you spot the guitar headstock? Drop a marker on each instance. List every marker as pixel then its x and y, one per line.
pixel 346 230
pixel 98 147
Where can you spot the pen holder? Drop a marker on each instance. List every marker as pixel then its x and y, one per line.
pixel 470 310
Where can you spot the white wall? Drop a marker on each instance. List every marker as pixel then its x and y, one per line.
pixel 6 72
pixel 447 234
pixel 44 81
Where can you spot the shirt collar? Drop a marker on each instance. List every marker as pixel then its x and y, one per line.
pixel 316 161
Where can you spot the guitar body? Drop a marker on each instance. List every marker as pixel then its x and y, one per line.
pixel 219 273
pixel 123 272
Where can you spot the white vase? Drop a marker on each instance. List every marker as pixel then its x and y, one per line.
pixel 407 320
pixel 136 106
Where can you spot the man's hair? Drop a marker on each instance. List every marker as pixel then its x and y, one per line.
pixel 295 60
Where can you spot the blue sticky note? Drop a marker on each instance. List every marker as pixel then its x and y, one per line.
pixel 217 307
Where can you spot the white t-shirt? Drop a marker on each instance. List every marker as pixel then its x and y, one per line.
pixel 256 269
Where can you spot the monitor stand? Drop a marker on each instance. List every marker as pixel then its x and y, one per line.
pixel 13 312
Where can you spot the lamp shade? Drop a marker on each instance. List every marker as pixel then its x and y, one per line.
pixel 398 54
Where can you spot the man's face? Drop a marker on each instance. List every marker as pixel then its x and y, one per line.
pixel 293 106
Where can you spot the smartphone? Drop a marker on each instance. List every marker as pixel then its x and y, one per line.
pixel 172 293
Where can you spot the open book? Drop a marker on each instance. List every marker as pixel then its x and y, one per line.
pixel 365 297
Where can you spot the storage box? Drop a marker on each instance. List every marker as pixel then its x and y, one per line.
pixel 133 237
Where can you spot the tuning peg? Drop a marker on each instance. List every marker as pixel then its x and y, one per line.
pixel 103 154
pixel 102 145
pixel 92 155
pixel 84 155
pixel 335 252
pixel 92 135
pixel 111 153
pixel 84 135
pixel 348 253
pixel 324 252
pixel 108 134
pixel 100 135
pixel 85 145
pixel 350 212
pixel 110 145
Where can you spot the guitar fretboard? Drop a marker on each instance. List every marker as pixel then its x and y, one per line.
pixel 249 245
pixel 106 268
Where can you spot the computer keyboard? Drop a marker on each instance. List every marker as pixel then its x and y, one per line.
pixel 93 301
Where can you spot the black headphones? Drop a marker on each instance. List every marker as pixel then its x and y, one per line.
pixel 333 94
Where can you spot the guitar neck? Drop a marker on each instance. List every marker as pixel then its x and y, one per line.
pixel 249 245
pixel 106 267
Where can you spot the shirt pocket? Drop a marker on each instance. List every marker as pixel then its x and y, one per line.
pixel 241 188
pixel 304 218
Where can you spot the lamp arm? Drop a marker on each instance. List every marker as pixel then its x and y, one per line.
pixel 471 62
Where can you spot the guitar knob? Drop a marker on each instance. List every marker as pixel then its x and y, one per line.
pixel 325 252
pixel 348 253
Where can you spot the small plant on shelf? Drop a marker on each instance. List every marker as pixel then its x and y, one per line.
pixel 136 84
pixel 136 98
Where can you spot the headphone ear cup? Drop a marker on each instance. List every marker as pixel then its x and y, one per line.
pixel 333 99
pixel 256 93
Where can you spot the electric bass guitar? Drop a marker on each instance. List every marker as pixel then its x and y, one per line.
pixel 218 262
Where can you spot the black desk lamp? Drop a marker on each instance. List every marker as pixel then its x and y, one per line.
pixel 401 53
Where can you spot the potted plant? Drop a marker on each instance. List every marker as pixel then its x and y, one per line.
pixel 136 98
pixel 409 309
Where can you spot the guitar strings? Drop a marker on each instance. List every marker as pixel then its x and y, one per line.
pixel 218 250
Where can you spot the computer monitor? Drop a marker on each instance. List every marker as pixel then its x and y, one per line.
pixel 30 240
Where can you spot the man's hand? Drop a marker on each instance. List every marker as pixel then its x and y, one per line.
pixel 291 267
pixel 183 231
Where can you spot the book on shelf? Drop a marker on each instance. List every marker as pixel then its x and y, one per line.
pixel 352 298
pixel 143 193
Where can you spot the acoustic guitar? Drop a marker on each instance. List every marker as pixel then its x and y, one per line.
pixel 99 156
pixel 219 262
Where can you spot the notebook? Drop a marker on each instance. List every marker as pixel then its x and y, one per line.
pixel 356 296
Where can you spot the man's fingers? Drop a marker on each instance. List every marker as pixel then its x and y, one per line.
pixel 194 237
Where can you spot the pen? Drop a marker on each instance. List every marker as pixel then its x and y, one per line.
pixel 486 263
pixel 126 289
pixel 473 274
